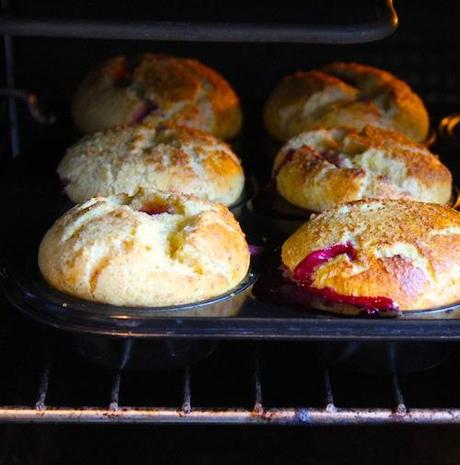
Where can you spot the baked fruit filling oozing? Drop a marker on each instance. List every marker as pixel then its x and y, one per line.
pixel 303 276
pixel 146 108
pixel 289 155
pixel 336 158
pixel 64 182
pixel 157 209
pixel 122 77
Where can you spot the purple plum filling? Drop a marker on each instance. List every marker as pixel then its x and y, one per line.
pixel 157 209
pixel 303 276
pixel 289 155
pixel 336 158
pixel 304 270
pixel 147 107
pixel 64 182
pixel 276 285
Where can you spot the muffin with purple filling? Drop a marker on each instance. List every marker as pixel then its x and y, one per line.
pixel 156 88
pixel 375 256
pixel 166 157
pixel 322 168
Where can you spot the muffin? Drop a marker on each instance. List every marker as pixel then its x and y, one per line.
pixel 156 88
pixel 150 249
pixel 321 168
pixel 377 256
pixel 166 157
pixel 344 94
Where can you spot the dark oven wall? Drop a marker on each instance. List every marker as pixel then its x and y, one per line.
pixel 423 51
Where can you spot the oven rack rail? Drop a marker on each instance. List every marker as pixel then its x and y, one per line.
pixel 115 412
pixel 384 25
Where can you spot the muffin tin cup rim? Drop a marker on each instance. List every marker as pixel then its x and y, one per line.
pixel 454 203
pixel 246 195
pixel 39 300
pixel 400 314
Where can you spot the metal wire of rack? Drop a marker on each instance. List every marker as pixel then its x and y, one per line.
pixel 115 411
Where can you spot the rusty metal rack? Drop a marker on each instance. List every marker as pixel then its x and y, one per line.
pixel 238 384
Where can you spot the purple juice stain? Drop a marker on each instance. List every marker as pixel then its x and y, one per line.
pixel 303 275
pixel 276 286
pixel 64 182
pixel 147 108
pixel 256 249
pixel 157 209
pixel 288 157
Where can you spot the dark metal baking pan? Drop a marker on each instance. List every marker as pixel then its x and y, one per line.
pixel 114 336
pixel 30 202
pixel 367 356
pixel 176 337
pixel 257 320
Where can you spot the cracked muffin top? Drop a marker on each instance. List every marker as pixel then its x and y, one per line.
pixel 150 249
pixel 344 94
pixel 322 168
pixel 156 88
pixel 377 255
pixel 165 157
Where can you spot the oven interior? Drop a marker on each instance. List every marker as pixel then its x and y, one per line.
pixel 243 382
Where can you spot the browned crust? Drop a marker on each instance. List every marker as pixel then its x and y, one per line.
pixel 411 115
pixel 183 90
pixel 418 159
pixel 309 181
pixel 378 164
pixel 109 250
pixel 167 156
pixel 407 251
pixel 345 94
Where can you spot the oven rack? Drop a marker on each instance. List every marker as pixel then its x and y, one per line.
pixel 382 26
pixel 115 411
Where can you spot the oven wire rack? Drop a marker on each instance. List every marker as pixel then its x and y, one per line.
pixel 115 411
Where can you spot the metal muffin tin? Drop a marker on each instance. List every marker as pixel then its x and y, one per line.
pixel 176 337
pixel 119 337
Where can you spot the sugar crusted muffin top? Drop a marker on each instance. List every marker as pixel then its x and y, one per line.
pixel 166 157
pixel 156 88
pixel 321 168
pixel 150 249
pixel 344 94
pixel 401 250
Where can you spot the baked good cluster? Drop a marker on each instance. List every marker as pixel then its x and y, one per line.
pixel 155 188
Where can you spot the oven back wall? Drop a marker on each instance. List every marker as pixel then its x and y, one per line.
pixel 424 52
